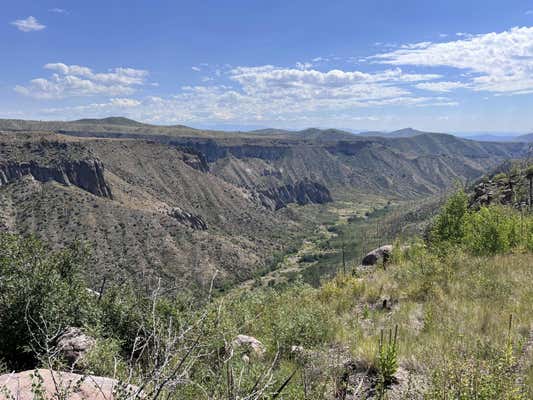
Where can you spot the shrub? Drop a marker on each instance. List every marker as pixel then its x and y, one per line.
pixel 449 224
pixel 41 293
pixel 490 230
pixel 388 357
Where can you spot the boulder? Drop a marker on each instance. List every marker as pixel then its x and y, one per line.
pixel 250 344
pixel 191 220
pixel 73 344
pixel 382 254
pixel 63 385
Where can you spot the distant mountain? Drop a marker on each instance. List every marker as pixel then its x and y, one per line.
pixel 270 131
pixel 490 137
pixel 309 133
pixel 109 121
pixel 406 132
pixel 324 134
pixel 528 138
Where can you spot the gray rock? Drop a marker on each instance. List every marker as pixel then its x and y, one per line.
pixel 191 220
pixel 73 344
pixel 382 254
pixel 250 344
pixel 87 174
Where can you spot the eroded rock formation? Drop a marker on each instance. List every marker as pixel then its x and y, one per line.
pixel 186 218
pixel 86 174
pixel 302 192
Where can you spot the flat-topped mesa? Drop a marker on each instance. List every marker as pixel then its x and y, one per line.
pixel 87 174
pixel 215 150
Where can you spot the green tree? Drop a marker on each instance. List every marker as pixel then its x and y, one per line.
pixel 449 224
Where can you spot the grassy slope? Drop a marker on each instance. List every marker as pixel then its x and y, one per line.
pixel 452 314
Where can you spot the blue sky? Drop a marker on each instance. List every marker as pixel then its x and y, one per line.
pixel 460 66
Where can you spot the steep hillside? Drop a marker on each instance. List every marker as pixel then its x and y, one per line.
pixel 147 208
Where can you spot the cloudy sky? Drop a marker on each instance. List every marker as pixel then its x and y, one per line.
pixel 460 66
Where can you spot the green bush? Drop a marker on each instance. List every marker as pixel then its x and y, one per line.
pixel 41 293
pixel 490 230
pixel 449 224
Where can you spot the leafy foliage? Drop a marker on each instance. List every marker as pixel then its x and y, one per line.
pixel 490 230
pixel 40 294
pixel 449 224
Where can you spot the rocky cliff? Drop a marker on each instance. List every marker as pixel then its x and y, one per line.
pixel 86 174
pixel 510 184
pixel 302 192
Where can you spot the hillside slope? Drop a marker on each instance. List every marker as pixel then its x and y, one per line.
pixel 181 203
pixel 162 215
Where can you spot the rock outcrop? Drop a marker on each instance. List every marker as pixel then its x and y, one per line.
pixel 87 174
pixel 73 344
pixel 504 190
pixel 186 218
pixel 59 385
pixel 250 345
pixel 302 192
pixel 381 254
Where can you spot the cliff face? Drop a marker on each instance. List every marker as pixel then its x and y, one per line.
pixel 302 192
pixel 86 174
pixel 214 151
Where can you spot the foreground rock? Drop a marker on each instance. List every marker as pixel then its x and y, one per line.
pixel 381 254
pixel 250 344
pixel 62 385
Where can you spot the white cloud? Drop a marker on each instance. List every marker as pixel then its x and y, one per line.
pixel 529 12
pixel 75 80
pixel 124 102
pixel 265 94
pixel 197 69
pixel 58 10
pixel 303 66
pixel 277 81
pixel 440 86
pixel 419 45
pixel 29 24
pixel 500 62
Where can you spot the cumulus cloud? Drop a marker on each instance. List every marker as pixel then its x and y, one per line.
pixel 265 94
pixel 299 85
pixel 124 102
pixel 498 62
pixel 29 24
pixel 75 80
